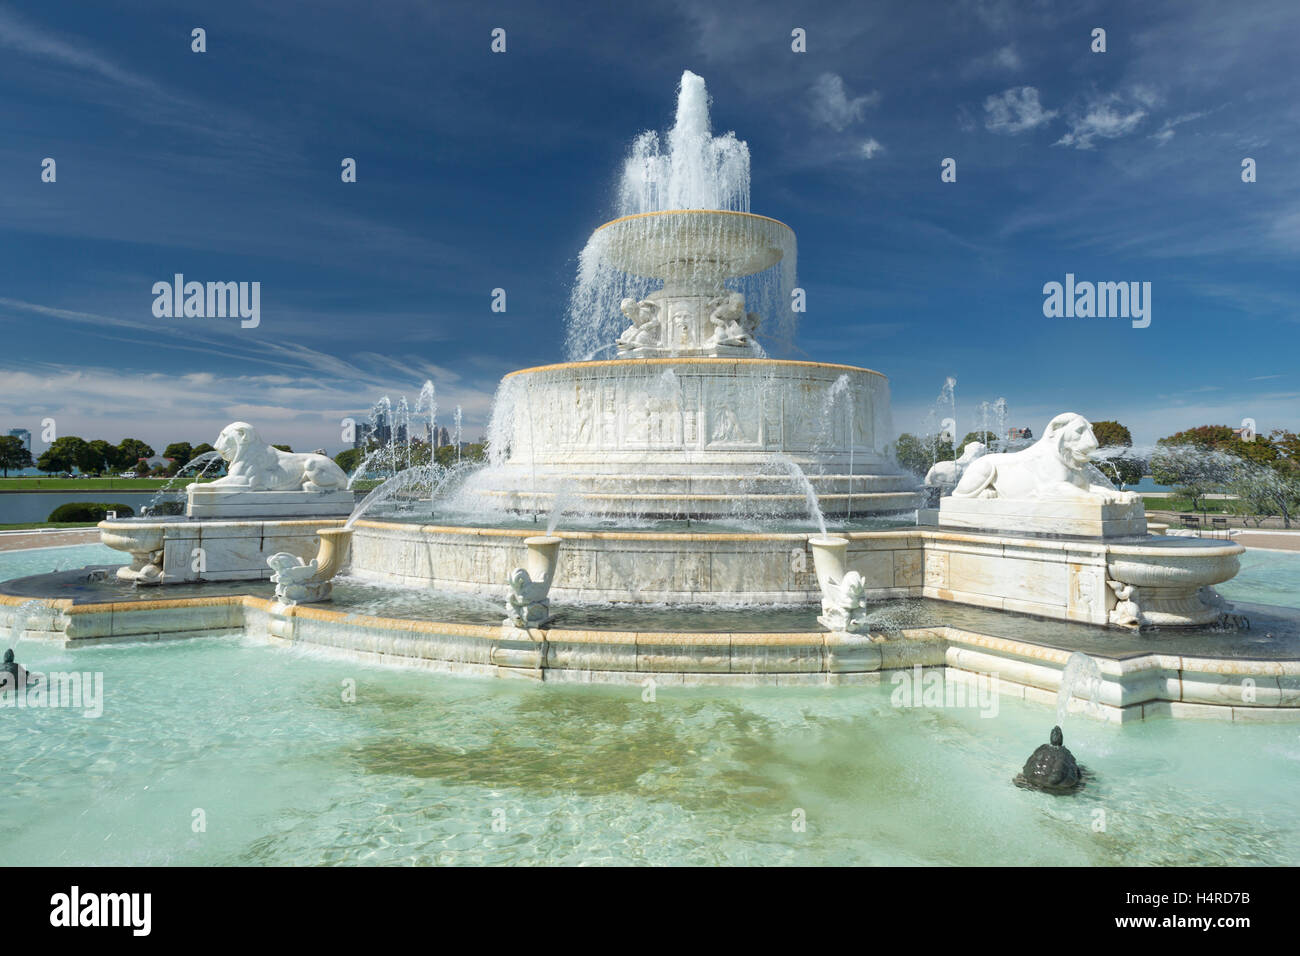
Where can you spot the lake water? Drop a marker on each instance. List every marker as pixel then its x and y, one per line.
pixel 20 507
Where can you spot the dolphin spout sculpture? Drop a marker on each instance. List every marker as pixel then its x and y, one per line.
pixel 527 603
pixel 308 582
pixel 844 593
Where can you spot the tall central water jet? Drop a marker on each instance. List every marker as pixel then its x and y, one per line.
pixel 685 227
pixel 699 171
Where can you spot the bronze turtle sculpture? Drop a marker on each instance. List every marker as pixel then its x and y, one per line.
pixel 1051 768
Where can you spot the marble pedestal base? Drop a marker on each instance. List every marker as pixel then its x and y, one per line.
pixel 1076 517
pixel 216 501
pixel 179 551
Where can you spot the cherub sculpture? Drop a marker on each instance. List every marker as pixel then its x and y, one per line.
pixel 844 604
pixel 644 332
pixel 526 604
pixel 1126 612
pixel 730 322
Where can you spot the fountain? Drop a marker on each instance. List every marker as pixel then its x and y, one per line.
pixel 685 267
pixel 693 487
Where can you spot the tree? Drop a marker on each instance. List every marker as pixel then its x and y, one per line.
pixel 1119 466
pixel 917 455
pixel 1193 471
pixel 1265 491
pixel 180 453
pixel 348 459
pixel 130 451
pixel 13 454
pixel 201 449
pixel 1112 434
pixel 105 455
pixel 282 447
pixel 1204 460
pixel 446 454
pixel 987 438
pixel 66 453
pixel 1223 438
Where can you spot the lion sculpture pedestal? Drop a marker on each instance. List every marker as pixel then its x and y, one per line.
pixel 1041 531
pixel 263 481
pixel 270 502
pixel 1050 488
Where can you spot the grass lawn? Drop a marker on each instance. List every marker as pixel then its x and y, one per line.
pixel 88 484
pixel 1214 506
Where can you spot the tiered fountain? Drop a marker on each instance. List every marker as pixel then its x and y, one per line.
pixel 690 423
pixel 692 469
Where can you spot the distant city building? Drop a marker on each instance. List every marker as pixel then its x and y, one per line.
pixel 24 434
pixel 444 436
pixel 378 432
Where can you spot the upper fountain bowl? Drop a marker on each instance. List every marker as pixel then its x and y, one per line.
pixel 694 244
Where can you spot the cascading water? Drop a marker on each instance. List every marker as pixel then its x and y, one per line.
pixel 1080 678
pixel 428 403
pixel 456 435
pixel 840 392
pixel 696 171
pixel 806 488
pixel 196 469
pixel 418 479
pixel 22 615
pixel 402 428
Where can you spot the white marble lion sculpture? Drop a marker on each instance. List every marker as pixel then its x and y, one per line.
pixel 1055 466
pixel 946 474
pixel 256 466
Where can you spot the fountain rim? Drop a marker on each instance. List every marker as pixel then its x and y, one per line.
pixel 1116 548
pixel 691 360
pixel 694 212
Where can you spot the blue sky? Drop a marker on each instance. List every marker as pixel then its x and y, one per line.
pixel 479 170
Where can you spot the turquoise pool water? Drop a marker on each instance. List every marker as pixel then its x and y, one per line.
pixel 1266 577
pixel 418 768
pixel 17 564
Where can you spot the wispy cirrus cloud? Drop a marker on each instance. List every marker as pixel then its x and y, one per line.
pixel 1107 116
pixel 833 105
pixel 1015 111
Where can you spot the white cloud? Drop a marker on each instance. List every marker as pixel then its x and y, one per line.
pixel 162 407
pixel 1015 110
pixel 833 106
pixel 870 148
pixel 1166 132
pixel 1106 117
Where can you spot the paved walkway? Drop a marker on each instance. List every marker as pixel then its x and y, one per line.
pixel 1277 540
pixel 15 541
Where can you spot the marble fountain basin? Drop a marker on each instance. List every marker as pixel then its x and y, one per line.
pixel 697 437
pixel 683 244
pixel 1063 579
